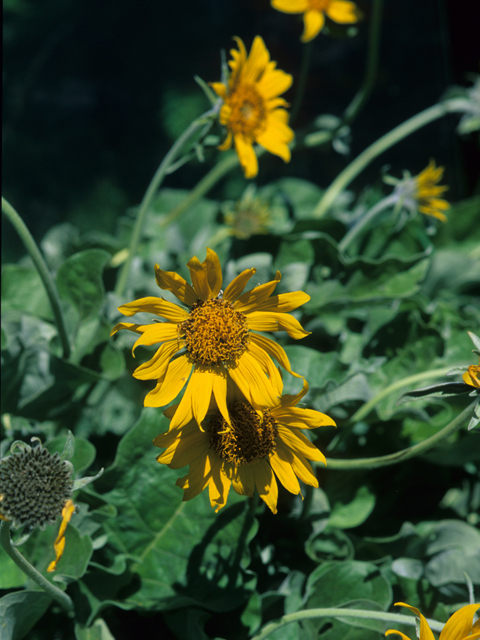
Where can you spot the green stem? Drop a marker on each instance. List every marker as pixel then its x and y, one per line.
pixel 302 79
pixel 364 221
pixel 404 382
pixel 371 69
pixel 309 614
pixel 37 258
pixel 404 454
pixel 403 130
pixel 30 571
pixel 150 194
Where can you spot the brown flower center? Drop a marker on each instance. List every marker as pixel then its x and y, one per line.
pixel 249 439
pixel 215 333
pixel 248 113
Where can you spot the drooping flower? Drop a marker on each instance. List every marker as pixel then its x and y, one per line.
pixel 472 376
pixel 314 11
pixel 211 338
pixel 252 110
pixel 259 445
pixel 459 626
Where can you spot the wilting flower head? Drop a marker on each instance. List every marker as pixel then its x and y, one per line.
pixel 258 445
pixel 210 338
pixel 314 11
pixel 472 375
pixel 251 110
pixel 421 193
pixel 459 627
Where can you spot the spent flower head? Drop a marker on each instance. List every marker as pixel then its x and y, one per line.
pixel 460 626
pixel 210 338
pixel 258 445
pixel 252 110
pixel 314 11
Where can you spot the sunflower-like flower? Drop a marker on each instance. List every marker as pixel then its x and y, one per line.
pixel 252 110
pixel 341 11
pixel 472 375
pixel 259 444
pixel 459 627
pixel 211 338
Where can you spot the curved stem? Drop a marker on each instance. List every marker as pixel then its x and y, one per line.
pixel 30 571
pixel 302 79
pixel 364 221
pixel 403 130
pixel 371 69
pixel 150 193
pixel 37 258
pixel 308 614
pixel 404 454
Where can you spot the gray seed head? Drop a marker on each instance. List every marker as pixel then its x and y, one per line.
pixel 34 486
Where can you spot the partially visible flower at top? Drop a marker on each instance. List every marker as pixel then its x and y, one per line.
pixel 421 193
pixel 252 110
pixel 36 487
pixel 459 626
pixel 314 11
pixel 261 442
pixel 212 337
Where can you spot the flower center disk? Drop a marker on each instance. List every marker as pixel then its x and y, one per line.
pixel 215 333
pixel 249 439
pixel 248 111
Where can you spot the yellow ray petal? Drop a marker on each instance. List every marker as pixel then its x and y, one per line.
pixel 274 350
pixel 425 631
pixel 246 155
pixel 219 88
pixel 270 321
pixel 220 393
pixel 185 449
pixel 214 272
pixel 274 82
pixel 342 11
pixel 243 481
pixel 284 472
pixel 268 366
pixel 290 6
pixel 253 382
pixel 303 468
pixel 198 274
pixel 156 333
pixel 137 328
pixel 171 281
pixel 196 480
pixel 238 284
pixel 302 418
pixel 175 379
pixel 399 633
pixel 202 382
pixel 250 299
pixel 459 625
pixel 238 62
pixel 256 61
pixel 276 136
pixel 219 485
pixel 283 303
pixel 59 544
pixel 157 366
pixel 300 444
pixel 313 23
pixel 227 143
pixel 163 308
pixel 266 484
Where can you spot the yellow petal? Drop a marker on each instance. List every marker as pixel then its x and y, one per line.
pixel 459 625
pixel 284 302
pixel 171 281
pixel 425 631
pixel 274 350
pixel 276 136
pixel 156 333
pixel 268 366
pixel 227 143
pixel 59 544
pixel 284 472
pixel 220 392
pixel 243 481
pixel 136 328
pixel 163 308
pixel 246 155
pixel 219 485
pixel 238 62
pixel 290 6
pixel 201 383
pixel 214 272
pixel 198 274
pixel 175 379
pixel 270 321
pixel 186 448
pixel 266 484
pixel 274 82
pixel 313 23
pixel 256 296
pixel 253 382
pixel 302 418
pixel 300 444
pixel 156 367
pixel 303 469
pixel 238 284
pixel 399 633
pixel 342 11
pixel 256 61
pixel 219 88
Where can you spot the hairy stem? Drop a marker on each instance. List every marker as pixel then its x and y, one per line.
pixel 364 221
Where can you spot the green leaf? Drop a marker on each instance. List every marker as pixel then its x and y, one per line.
pixel 83 456
pixel 442 390
pixel 455 547
pixel 98 631
pixel 352 514
pixel 79 280
pixel 11 576
pixel 23 290
pixel 19 611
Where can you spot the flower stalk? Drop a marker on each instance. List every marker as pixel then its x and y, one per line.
pixel 37 258
pixel 30 571
pixel 350 236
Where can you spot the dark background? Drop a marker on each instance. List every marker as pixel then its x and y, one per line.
pixel 96 92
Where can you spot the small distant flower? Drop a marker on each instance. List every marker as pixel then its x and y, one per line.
pixel 314 11
pixel 259 445
pixel 210 339
pixel 421 193
pixel 252 110
pixel 459 627
pixel 248 216
pixel 472 376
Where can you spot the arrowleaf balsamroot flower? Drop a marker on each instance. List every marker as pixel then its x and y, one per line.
pixel 259 444
pixel 314 11
pixel 428 192
pixel 210 338
pixel 472 376
pixel 459 626
pixel 252 110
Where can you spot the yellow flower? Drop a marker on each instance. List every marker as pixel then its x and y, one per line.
pixel 251 110
pixel 212 339
pixel 459 627
pixel 427 192
pixel 258 444
pixel 59 544
pixel 472 376
pixel 314 11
